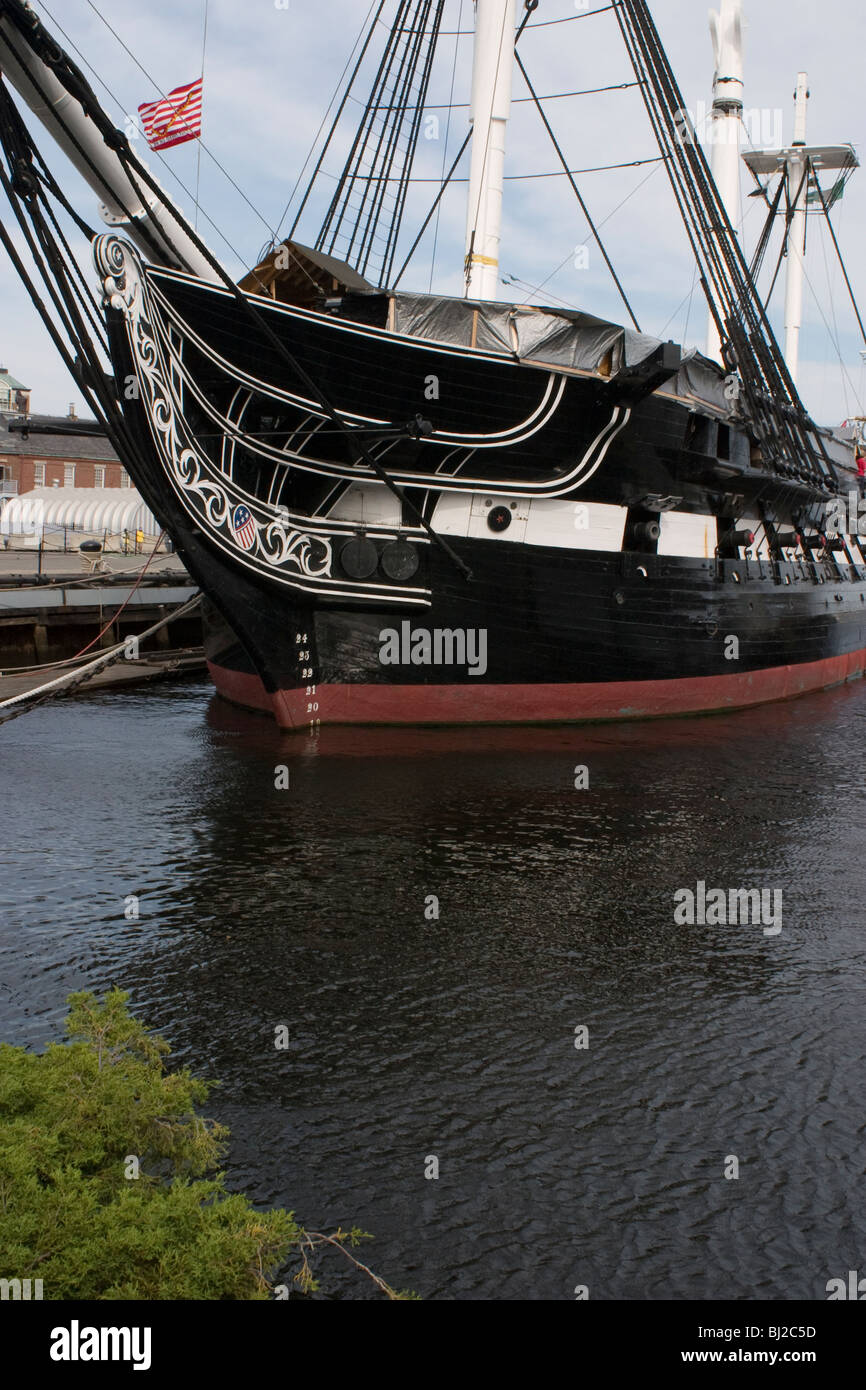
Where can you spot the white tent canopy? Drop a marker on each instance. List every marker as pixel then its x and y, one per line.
pixel 90 511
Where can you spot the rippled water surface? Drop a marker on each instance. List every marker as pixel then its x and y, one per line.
pixel 455 1037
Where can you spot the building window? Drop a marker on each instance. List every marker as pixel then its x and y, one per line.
pixel 69 475
pixel 39 473
pixel 125 480
pixel 99 475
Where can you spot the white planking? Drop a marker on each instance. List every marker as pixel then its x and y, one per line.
pixel 688 534
pixel 370 504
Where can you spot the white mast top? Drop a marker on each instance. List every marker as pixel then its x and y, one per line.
pixel 797 193
pixel 492 71
pixel 723 134
pixel 791 163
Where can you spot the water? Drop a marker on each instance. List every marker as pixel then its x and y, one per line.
pixel 455 1037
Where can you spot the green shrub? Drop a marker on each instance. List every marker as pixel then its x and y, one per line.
pixel 109 1186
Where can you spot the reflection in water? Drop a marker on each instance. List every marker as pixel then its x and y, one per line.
pixel 456 1037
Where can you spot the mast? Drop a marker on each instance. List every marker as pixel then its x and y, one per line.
pixel 799 165
pixel 796 167
pixel 492 68
pixel 723 135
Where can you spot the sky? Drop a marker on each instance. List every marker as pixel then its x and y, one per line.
pixel 271 68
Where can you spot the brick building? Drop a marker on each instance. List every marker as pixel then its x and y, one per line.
pixel 53 454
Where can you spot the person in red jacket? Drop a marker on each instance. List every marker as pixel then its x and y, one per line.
pixel 861 473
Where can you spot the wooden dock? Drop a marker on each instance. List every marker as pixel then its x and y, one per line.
pixel 61 618
pixel 54 605
pixel 174 662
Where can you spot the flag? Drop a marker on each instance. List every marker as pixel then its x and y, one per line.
pixel 173 119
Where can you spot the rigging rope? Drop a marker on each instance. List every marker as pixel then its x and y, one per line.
pixel 438 204
pixel 603 223
pixel 334 124
pixel 70 680
pixel 764 239
pixel 690 184
pixel 169 168
pixel 126 601
pixel 109 409
pixel 198 141
pixel 98 577
pixel 550 96
pixel 328 112
pixel 356 446
pixel 86 368
pixel 778 416
pixel 826 211
pixel 584 209
pixel 830 333
pixel 560 173
pixel 155 84
pixel 539 23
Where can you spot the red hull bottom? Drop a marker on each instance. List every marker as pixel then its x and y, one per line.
pixel 533 704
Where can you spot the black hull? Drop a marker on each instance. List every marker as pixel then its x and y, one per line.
pixel 565 638
pixel 569 632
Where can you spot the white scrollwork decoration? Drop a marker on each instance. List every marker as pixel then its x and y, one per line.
pixel 277 544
